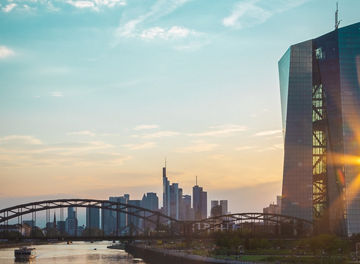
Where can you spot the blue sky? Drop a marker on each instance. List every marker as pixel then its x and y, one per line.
pixel 95 93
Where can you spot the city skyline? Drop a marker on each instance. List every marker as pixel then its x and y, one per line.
pixel 97 120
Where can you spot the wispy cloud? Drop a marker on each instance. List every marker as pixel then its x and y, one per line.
pixel 82 133
pixel 20 139
pixel 223 130
pixel 197 146
pixel 56 94
pixel 5 52
pixel 271 148
pixel 159 134
pixel 252 12
pixel 54 6
pixel 245 148
pixel 9 7
pixel 96 4
pixel 175 32
pixel 268 133
pixel 146 145
pixel 133 28
pixel 28 151
pixel 145 127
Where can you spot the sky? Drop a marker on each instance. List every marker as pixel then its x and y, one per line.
pixel 95 94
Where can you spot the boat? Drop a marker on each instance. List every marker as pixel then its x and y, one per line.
pixel 137 260
pixel 24 253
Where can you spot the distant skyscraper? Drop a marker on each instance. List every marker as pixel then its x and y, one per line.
pixel 71 222
pixel 174 200
pixel 150 201
pixel 92 218
pixel 186 212
pixel 224 207
pixel 214 203
pixel 320 99
pixel 166 193
pixel 115 222
pixel 134 223
pixel 199 202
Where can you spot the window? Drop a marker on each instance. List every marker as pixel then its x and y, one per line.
pixel 320 54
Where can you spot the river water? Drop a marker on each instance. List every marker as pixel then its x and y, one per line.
pixel 75 253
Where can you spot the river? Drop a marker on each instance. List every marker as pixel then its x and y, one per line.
pixel 75 253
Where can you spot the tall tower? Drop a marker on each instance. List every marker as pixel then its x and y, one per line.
pixel 166 192
pixel 320 101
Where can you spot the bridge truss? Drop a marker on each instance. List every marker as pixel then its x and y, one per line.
pixel 156 221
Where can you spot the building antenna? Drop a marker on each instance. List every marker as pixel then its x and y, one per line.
pixel 196 180
pixel 165 162
pixel 337 21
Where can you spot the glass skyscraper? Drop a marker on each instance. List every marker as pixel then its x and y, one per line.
pixel 320 99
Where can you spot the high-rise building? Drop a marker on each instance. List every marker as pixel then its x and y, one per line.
pixel 150 201
pixel 199 202
pixel 172 197
pixel 71 222
pixel 224 207
pixel 213 203
pixel 174 200
pixel 166 193
pixel 92 217
pixel 320 99
pixel 134 223
pixel 115 222
pixel 186 212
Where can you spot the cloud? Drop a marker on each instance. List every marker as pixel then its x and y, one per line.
pixel 5 52
pixel 146 145
pixel 9 7
pixel 273 147
pixel 27 151
pixel 20 139
pixel 160 9
pixel 197 146
pixel 159 134
pixel 83 133
pixel 223 130
pixel 252 12
pixel 268 133
pixel 54 6
pixel 144 127
pixel 82 4
pixel 244 148
pixel 56 94
pixel 174 32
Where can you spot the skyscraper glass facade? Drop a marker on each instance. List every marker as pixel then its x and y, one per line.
pixel 320 98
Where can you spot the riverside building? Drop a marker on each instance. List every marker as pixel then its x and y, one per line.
pixel 320 100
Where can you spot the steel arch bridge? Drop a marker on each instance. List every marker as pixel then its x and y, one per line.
pixel 157 220
pixel 252 221
pixel 148 216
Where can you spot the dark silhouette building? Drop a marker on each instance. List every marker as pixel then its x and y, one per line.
pixel 320 99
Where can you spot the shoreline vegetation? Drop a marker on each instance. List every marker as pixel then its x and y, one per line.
pixel 234 247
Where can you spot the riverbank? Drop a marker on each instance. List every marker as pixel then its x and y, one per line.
pixel 10 244
pixel 163 256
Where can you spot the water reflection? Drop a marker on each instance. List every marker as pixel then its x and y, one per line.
pixel 75 253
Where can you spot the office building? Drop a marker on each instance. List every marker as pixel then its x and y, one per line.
pixel 150 201
pixel 320 100
pixel 199 202
pixel 166 193
pixel 134 223
pixel 186 212
pixel 115 222
pixel 71 222
pixel 224 207
pixel 92 218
